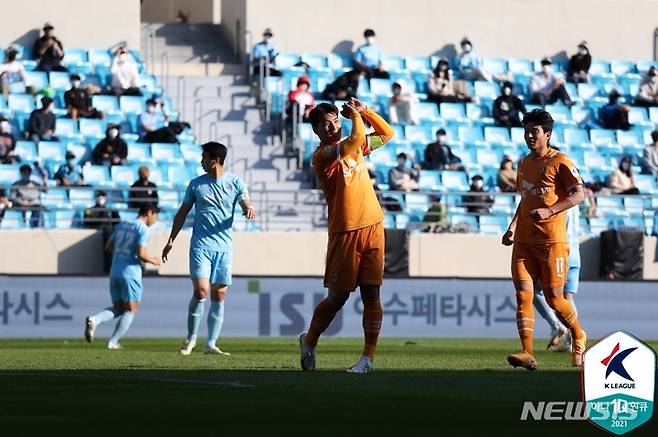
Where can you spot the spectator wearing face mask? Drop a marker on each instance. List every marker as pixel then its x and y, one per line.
pixel 12 75
pixel 508 108
pixel 546 88
pixel 402 106
pixel 622 181
pixel 49 51
pixel 506 179
pixel 478 201
pixel 266 51
pixel 439 156
pixel 100 216
pixel 613 115
pixel 111 150
pixel 650 156
pixel 7 143
pixel 402 178
pixel 368 57
pixel 301 99
pixel 441 88
pixel 578 68
pixel 142 191
pixel 125 76
pixel 648 94
pixel 25 195
pixel 470 64
pixel 78 101
pixel 70 173
pixel 41 126
pixel 152 127
pixel 344 87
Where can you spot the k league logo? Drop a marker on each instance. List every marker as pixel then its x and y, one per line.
pixel 618 382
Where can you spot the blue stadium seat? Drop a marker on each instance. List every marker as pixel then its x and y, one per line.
pixel 470 134
pixel 37 79
pixel 418 134
pixel 488 158
pixel 59 80
pixel 495 66
pixel 520 66
pixel 12 220
pixel 61 219
pixel 55 198
pixel 92 127
pixel 454 180
pixel 486 89
pixel 582 116
pixel 9 173
pixel 609 203
pixel 594 159
pixel 179 176
pixel 416 204
pixel 492 224
pixel 645 183
pixel 602 136
pixel 96 175
pixel 131 104
pixel 149 82
pixel 105 103
pixel 100 57
pixel 630 137
pixel 21 102
pixel 26 150
pixel 123 176
pixel 497 135
pixel 66 127
pixel 317 61
pixel 165 152
pixel 339 63
pixel 599 67
pixel 417 63
pixel 74 56
pixel 287 60
pixel 192 152
pixel 622 67
pixel 428 112
pixel 518 135
pixel 634 204
pixel 452 111
pixel 503 205
pixel 380 87
pixel 139 152
pixel 393 63
pixel 384 157
pixel 653 115
pixel 430 180
pixel 587 91
pixel 638 115
pixel 82 197
pixel 573 136
pixel 560 113
pixel 643 66
pixel 51 150
pixel 465 219
pixel 479 114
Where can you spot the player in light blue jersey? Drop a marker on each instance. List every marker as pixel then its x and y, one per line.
pixel 215 196
pixel 128 246
pixel 560 340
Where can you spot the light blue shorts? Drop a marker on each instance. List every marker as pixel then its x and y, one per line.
pixel 211 264
pixel 573 277
pixel 126 290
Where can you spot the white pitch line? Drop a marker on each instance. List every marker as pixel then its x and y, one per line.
pixel 232 384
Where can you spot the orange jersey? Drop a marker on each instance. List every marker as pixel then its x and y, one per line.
pixel 351 199
pixel 542 183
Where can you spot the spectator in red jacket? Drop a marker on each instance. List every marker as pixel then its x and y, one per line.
pixel 302 99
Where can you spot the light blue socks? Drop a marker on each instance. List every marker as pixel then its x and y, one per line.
pixel 215 321
pixel 194 314
pixel 122 326
pixel 106 315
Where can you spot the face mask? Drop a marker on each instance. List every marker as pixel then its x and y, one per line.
pixel 507 91
pixel 150 109
pixel 100 201
pixel 582 52
pixel 75 84
pixel 266 38
pixel 123 57
pixel 112 133
pixel 5 126
pixel 49 34
pixel 441 139
pixel 478 184
pixel 467 48
pixel 443 67
pixel 547 69
pixel 370 40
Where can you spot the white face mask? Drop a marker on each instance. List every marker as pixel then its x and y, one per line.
pixel 547 69
pixel 507 91
pixel 5 126
pixel 370 40
pixel 123 57
pixel 51 107
pixel 467 48
pixel 101 201
pixel 478 184
pixel 75 84
pixel 113 133
pixel 150 109
pixel 441 139
pixel 582 51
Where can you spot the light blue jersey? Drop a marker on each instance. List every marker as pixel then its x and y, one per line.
pixel 370 55
pixel 215 202
pixel 127 237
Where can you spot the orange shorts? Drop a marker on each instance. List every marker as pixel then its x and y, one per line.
pixel 355 258
pixel 547 262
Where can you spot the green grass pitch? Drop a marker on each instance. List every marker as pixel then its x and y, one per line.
pixel 440 387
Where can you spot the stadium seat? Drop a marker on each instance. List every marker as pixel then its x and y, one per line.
pixel 503 205
pixel 317 61
pixel 587 91
pixel 51 150
pixel 622 67
pixel 575 137
pixel 132 104
pixel 139 152
pixel 454 180
pixel 582 116
pixel 96 175
pixel 179 176
pixel 634 204
pixel 55 198
pixel 418 134
pixel 602 136
pixel 82 197
pixel 428 112
pixel 192 152
pixel 465 219
pixel 488 158
pixel 21 102
pixel 164 152
pixel 520 66
pixel 630 137
pixel 287 60
pixel 593 159
pixel 380 87
pixel 495 66
pixel 393 63
pixel 9 173
pixel 470 134
pixel 429 180
pixel 12 219
pixel 74 56
pixel 339 63
pixel 638 116
pixel 645 183
pixel 66 127
pixel 518 135
pixel 492 225
pixel 416 204
pixel 36 79
pixel 560 113
pixel 105 103
pixel 100 57
pixel 653 115
pixel 486 89
pixel 452 111
pixel 643 66
pixel 150 84
pixel 26 150
pixel 92 127
pixel 478 114
pixel 599 67
pixel 417 63
pixel 497 135
pixel 123 176
pixel 59 80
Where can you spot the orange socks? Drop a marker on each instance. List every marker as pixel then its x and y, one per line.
pixel 372 324
pixel 525 319
pixel 567 315
pixel 322 316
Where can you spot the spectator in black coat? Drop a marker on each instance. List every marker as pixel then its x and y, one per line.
pixel 439 156
pixel 49 51
pixel 111 150
pixel 142 191
pixel 78 101
pixel 578 68
pixel 614 115
pixel 508 108
pixel 41 125
pixel 344 87
pixel 478 201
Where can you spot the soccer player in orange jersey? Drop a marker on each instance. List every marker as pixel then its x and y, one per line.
pixel 549 184
pixel 355 251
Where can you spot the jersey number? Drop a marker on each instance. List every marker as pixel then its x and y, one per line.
pixel 559 265
pixel 123 241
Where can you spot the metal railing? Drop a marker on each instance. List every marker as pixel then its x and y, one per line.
pixel 164 72
pixel 181 96
pixel 149 50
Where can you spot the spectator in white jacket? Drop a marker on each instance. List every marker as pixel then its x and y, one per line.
pixel 125 77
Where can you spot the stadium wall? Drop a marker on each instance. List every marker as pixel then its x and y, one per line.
pixel 198 11
pixel 78 23
pixel 79 252
pixel 615 29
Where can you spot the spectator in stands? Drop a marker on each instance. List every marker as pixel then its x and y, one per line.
pixel 613 115
pixel 650 156
pixel 470 64
pixel 578 68
pixel 301 99
pixel 344 87
pixel 368 57
pixel 546 88
pixel 49 51
pixel 152 124
pixel 125 76
pixel 402 178
pixel 442 88
pixel 5 203
pixel 402 106
pixel 388 203
pixel 70 173
pixel 506 179
pixel 622 181
pixel 111 150
pixel 41 126
pixel 478 201
pixel 12 75
pixel 508 108
pixel 266 51
pixel 25 195
pixel 100 216
pixel 7 143
pixel 436 217
pixel 439 156
pixel 648 94
pixel 143 190
pixel 78 101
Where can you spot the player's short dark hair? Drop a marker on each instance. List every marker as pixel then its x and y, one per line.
pixel 25 168
pixel 540 117
pixel 215 150
pixel 317 114
pixel 368 32
pixel 148 207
